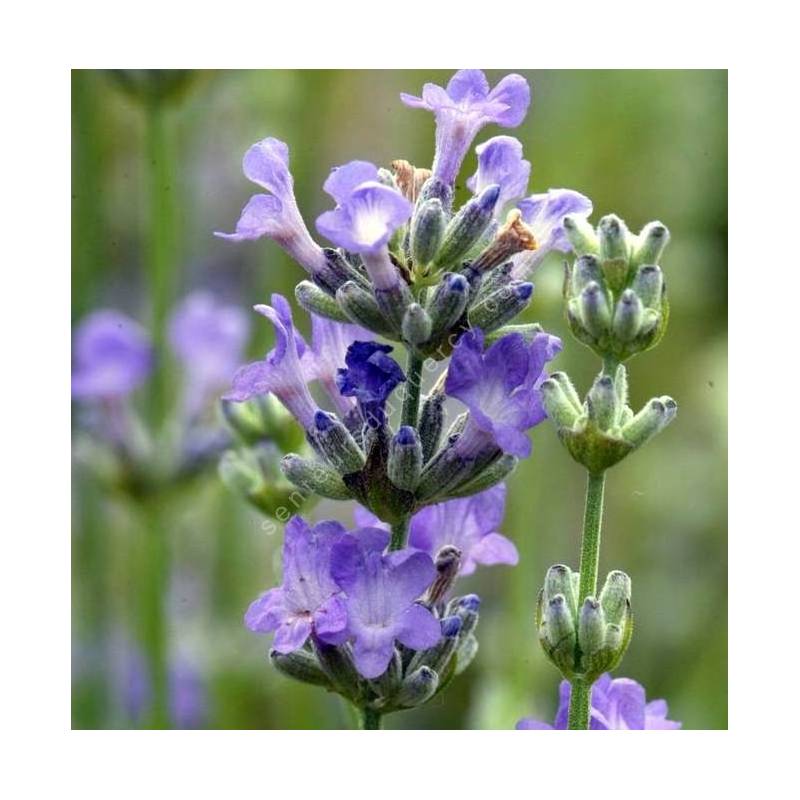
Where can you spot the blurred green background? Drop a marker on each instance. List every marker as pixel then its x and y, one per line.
pixel 644 144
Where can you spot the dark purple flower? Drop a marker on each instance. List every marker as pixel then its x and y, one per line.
pixel 463 108
pixel 370 376
pixel 380 598
pixel 281 372
pixel 308 600
pixel 500 389
pixel 470 524
pixel 544 215
pixel 500 163
pixel 617 704
pixel 208 339
pixel 326 356
pixel 367 213
pixel 112 356
pixel 275 215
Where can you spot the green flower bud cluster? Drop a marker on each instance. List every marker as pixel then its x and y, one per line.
pixel 615 291
pixel 263 431
pixel 603 429
pixel 584 637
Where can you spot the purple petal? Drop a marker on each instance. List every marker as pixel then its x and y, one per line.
pixel 267 164
pixel 373 650
pixel 410 579
pixel 530 724
pixel 627 701
pixel 261 216
pixel 292 634
pixel 500 162
pixel 249 381
pixel 495 548
pixel 267 612
pixel 513 91
pixel 343 181
pixel 330 620
pixel 468 84
pixel 418 628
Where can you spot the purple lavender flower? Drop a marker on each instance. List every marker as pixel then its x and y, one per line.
pixel 380 593
pixel 464 108
pixel 367 213
pixel 326 355
pixel 275 215
pixel 470 524
pixel 187 695
pixel 500 388
pixel 617 704
pixel 544 215
pixel 208 339
pixel 370 376
pixel 112 356
pixel 500 163
pixel 308 600
pixel 281 372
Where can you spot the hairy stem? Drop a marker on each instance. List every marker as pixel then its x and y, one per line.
pixel 370 719
pixel 414 383
pixel 399 533
pixel 590 560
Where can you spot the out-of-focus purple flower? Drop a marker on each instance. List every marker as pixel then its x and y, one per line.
pixel 281 372
pixel 112 356
pixel 187 696
pixel 500 388
pixel 367 213
pixel 326 356
pixel 469 523
pixel 308 600
pixel 544 215
pixel 500 163
pixel 617 704
pixel 380 597
pixel 370 376
pixel 463 108
pixel 208 339
pixel 275 215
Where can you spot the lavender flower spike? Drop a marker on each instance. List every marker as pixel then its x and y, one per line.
pixel 208 339
pixel 617 704
pixel 370 376
pixel 500 388
pixel 469 524
pixel 463 108
pixel 500 162
pixel 275 215
pixel 112 356
pixel 380 598
pixel 367 213
pixel 544 215
pixel 322 361
pixel 308 601
pixel 281 372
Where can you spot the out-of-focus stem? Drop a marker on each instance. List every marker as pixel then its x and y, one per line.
pixel 370 719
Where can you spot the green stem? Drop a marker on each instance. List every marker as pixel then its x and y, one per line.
pixel 413 386
pixel 160 241
pixel 590 559
pixel 399 533
pixel 370 719
pixel 610 365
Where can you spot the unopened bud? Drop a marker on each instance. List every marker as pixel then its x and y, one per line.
pixel 560 627
pixel 650 243
pixel 336 271
pixel 314 477
pixel 404 463
pixel 416 324
pixel 319 302
pixel 427 229
pixel 448 302
pixel 431 421
pixel 467 608
pixel 581 235
pixel 616 596
pixel 301 666
pixel 613 235
pixel 361 307
pixel 649 285
pixel 586 270
pixel 467 226
pixel 654 417
pixel 595 311
pixel 337 444
pixel 560 580
pixel 337 663
pixel 628 316
pixel 562 379
pixel 393 302
pixel 492 475
pixel 466 653
pixel 435 188
pixel 501 306
pixel 417 688
pixel 591 627
pixel 601 403
pixel 557 404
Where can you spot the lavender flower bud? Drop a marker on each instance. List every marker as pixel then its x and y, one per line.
pixel 393 302
pixel 601 403
pixel 404 463
pixel 336 444
pixel 651 319
pixel 559 632
pixel 466 652
pixel 649 286
pixel 560 580
pixel 591 627
pixel 301 666
pixel 650 243
pixel 628 316
pixel 467 226
pixel 435 188
pixel 613 235
pixel 316 301
pixel 615 596
pixel 416 325
pixel 586 270
pixel 448 302
pixel 314 477
pixel 467 608
pixel 447 470
pixel 581 235
pixel 336 271
pixel 431 421
pixel 427 229
pixel 557 404
pixel 501 306
pixel 562 379
pixel 338 665
pixel 361 307
pixel 438 656
pixel 595 312
pixel 654 417
pixel 417 688
pixel 491 476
